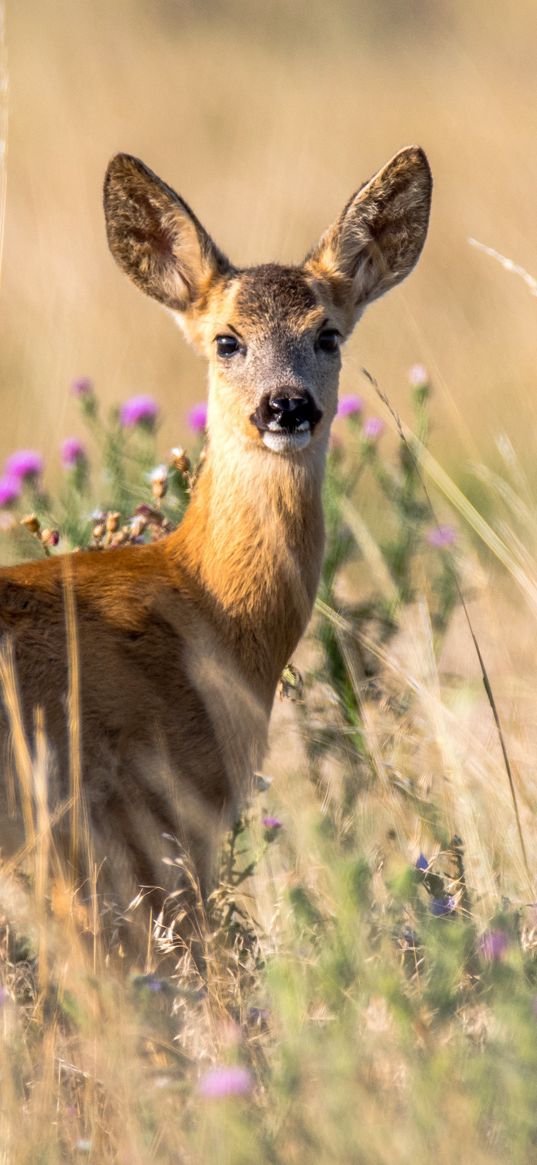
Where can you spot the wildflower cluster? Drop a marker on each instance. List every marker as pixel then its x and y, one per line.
pixel 406 532
pixel 138 499
pixel 355 994
pixel 22 470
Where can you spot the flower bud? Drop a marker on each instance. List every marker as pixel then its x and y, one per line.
pixel 112 521
pixel 180 461
pixel 32 523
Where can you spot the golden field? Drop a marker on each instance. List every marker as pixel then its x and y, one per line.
pixel 265 117
pixel 378 1017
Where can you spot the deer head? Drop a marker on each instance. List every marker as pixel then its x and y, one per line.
pixel 272 334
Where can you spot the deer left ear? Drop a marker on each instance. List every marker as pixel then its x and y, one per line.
pixel 156 238
pixel 378 238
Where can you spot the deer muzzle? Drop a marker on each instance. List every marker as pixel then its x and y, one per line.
pixel 286 420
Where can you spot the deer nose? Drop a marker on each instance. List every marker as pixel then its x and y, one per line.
pixel 286 410
pixel 286 405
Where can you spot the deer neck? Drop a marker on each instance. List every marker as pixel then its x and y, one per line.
pixel 251 543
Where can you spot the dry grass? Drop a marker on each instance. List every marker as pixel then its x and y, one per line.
pixel 365 1046
pixel 266 118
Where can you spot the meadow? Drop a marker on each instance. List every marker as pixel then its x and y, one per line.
pixel 369 988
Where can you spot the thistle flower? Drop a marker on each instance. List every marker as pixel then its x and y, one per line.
pixel 373 428
pixel 10 488
pixel 82 386
pixel 271 822
pixel 441 536
pixel 197 417
pixel 231 1080
pixel 138 410
pixel 418 376
pixel 445 904
pixel 153 983
pixel 350 406
pixel 493 945
pixel 25 465
pixel 179 460
pixel 159 481
pixel 72 453
pixel 31 523
pixel 112 521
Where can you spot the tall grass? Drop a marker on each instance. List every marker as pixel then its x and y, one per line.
pixel 369 986
pixel 369 993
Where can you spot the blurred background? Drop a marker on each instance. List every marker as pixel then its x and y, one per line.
pixel 265 117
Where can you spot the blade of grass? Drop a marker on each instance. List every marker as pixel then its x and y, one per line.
pixel 411 448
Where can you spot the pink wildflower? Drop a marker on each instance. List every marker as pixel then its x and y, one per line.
pixel 228 1080
pixel 197 417
pixel 82 386
pixel 139 410
pixel 73 452
pixel 350 406
pixel 373 428
pixel 10 489
pixel 441 536
pixel 25 465
pixel 271 822
pixel 493 945
pixel 418 376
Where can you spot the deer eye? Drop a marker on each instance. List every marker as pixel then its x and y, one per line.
pixel 227 345
pixel 328 340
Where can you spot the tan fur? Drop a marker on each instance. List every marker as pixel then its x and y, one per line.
pixel 181 643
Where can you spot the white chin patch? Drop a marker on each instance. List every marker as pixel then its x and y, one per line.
pixel 286 442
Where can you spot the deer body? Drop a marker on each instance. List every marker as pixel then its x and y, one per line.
pixel 181 643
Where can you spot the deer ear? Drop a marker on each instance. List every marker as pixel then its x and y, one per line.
pixel 377 240
pixel 155 237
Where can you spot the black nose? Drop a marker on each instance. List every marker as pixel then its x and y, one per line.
pixel 293 411
pixel 287 406
pixel 286 411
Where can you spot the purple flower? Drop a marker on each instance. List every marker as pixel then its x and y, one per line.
pixel 10 488
pixel 154 984
pixel 418 376
pixel 493 945
pixel 82 386
pixel 271 822
pixel 139 410
pixel 445 904
pixel 72 452
pixel 373 428
pixel 350 406
pixel 197 417
pixel 229 1080
pixel 25 465
pixel 441 536
pixel 422 863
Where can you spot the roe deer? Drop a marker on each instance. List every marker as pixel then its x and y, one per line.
pixel 181 643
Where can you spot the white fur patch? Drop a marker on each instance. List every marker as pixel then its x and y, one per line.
pixel 286 442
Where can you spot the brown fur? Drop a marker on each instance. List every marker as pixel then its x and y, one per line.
pixel 181 643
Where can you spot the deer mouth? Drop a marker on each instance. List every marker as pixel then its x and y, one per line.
pixel 286 421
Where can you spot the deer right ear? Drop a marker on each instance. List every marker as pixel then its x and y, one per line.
pixel 377 240
pixel 155 237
